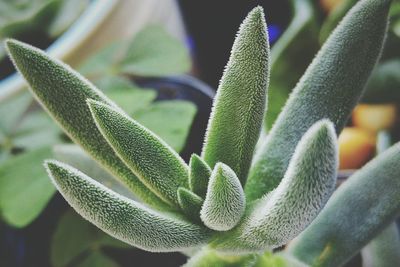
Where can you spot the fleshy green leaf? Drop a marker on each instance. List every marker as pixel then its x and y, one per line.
pixel 303 192
pixel 77 158
pixel 98 259
pixel 155 163
pixel 224 204
pixel 199 175
pixel 170 120
pixel 330 88
pixel 73 237
pixel 25 189
pixel 154 52
pixel 63 93
pixel 207 258
pixel 362 207
pixel 383 250
pixel 238 109
pixel 121 217
pixel 190 203
pixel 290 56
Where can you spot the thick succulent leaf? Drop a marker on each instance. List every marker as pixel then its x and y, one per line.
pixel 290 56
pixel 170 120
pixel 362 207
pixel 74 156
pixel 285 212
pixel 25 189
pixel 199 175
pixel 330 88
pixel 238 109
pixel 335 17
pixel 308 183
pixel 121 217
pixel 63 93
pixel 224 204
pixel 154 52
pixel 74 237
pixel 156 164
pixel 190 203
pixel 384 249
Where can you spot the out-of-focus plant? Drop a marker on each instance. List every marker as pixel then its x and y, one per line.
pixel 230 207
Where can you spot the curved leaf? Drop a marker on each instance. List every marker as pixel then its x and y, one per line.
pixel 63 93
pixel 238 109
pixel 121 217
pixel 199 175
pixel 190 203
pixel 224 204
pixel 362 207
pixel 330 88
pixel 151 159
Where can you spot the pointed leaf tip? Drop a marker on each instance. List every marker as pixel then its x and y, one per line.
pixel 236 118
pixel 123 218
pixel 225 202
pixel 156 164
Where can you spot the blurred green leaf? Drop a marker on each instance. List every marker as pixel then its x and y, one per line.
pixel 11 111
pixel 153 52
pixel 75 236
pixel 36 130
pixel 25 188
pixel 170 120
pixel 68 12
pixel 98 259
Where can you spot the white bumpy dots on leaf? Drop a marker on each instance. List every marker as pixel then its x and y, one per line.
pixel 357 211
pixel 237 114
pixel 190 204
pixel 63 93
pixel 121 217
pixel 199 175
pixel 224 204
pixel 156 164
pixel 303 192
pixel 330 88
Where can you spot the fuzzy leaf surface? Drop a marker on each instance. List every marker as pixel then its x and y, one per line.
pixel 362 207
pixel 199 175
pixel 224 204
pixel 122 218
pixel 63 93
pixel 330 88
pixel 238 109
pixel 190 203
pixel 158 166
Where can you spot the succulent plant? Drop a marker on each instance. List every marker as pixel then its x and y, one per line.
pixel 228 207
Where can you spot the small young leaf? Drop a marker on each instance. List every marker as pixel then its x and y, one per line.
pixel 303 192
pixel 238 109
pixel 25 189
pixel 122 218
pixel 151 159
pixel 383 250
pixel 224 204
pixel 199 175
pixel 190 203
pixel 362 207
pixel 207 258
pixel 154 52
pixel 330 88
pixel 63 93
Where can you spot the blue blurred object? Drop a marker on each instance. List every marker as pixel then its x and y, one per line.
pixel 274 32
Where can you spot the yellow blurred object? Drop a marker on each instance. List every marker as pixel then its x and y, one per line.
pixel 374 117
pixel 329 5
pixel 356 147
